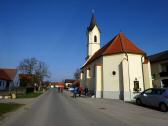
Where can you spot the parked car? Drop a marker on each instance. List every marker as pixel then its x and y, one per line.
pixel 71 89
pixel 156 97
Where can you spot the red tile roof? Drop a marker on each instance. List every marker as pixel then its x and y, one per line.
pixel 25 76
pixel 7 74
pixel 119 44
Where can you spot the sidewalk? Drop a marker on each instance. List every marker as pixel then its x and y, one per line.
pixel 19 101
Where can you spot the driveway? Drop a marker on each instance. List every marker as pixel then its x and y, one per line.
pixel 61 109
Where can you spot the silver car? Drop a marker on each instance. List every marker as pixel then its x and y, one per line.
pixel 156 97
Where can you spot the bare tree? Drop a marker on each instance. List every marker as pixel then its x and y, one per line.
pixel 41 72
pixel 77 74
pixel 36 68
pixel 27 66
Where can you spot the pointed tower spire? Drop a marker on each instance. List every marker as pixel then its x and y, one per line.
pixel 93 21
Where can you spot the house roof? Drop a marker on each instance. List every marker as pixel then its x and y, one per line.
pixel 7 74
pixel 159 57
pixel 92 23
pixel 25 76
pixel 119 44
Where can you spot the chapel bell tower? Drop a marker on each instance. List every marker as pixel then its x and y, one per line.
pixel 93 37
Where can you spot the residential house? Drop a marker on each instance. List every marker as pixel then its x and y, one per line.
pixel 159 69
pixel 69 82
pixel 9 79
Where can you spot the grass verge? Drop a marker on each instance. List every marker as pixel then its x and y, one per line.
pixel 8 107
pixel 30 95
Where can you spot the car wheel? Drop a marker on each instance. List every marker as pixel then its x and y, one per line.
pixel 138 102
pixel 163 107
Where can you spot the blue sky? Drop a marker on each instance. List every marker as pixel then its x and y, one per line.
pixel 54 31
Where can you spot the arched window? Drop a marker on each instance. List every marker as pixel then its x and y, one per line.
pixel 95 38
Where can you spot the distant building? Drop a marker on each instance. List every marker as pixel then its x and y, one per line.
pixel 69 82
pixel 56 85
pixel 159 69
pixel 9 79
pixel 118 70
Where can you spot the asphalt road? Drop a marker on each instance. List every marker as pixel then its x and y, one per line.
pixel 59 109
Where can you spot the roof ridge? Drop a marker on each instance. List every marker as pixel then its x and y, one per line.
pixel 122 46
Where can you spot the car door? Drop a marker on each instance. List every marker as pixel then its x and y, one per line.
pixel 153 97
pixel 157 97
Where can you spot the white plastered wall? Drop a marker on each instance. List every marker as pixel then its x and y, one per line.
pixel 112 83
pixel 98 81
pixel 147 76
pixel 135 72
pixel 90 81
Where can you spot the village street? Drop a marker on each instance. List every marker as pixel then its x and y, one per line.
pixel 60 109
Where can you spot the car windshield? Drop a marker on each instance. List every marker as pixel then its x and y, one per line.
pixel 149 91
pixel 154 91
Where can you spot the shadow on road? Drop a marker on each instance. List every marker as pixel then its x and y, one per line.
pixel 144 106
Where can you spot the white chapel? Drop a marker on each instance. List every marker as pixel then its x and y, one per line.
pixel 118 70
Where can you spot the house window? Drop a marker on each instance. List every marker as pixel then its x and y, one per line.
pixel 81 75
pixel 88 73
pixel 95 38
